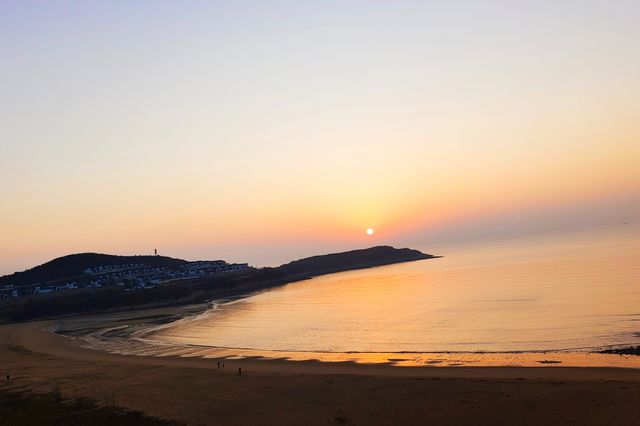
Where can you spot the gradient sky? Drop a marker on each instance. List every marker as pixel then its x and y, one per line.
pixel 265 131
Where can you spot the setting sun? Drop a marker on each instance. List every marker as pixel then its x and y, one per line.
pixel 369 231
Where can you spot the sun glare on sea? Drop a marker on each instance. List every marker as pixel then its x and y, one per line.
pixel 370 231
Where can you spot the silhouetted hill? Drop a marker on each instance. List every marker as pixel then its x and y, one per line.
pixel 74 264
pixel 355 259
pixel 179 292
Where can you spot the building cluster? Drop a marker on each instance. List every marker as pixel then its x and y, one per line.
pixel 131 277
pixel 110 269
pixel 9 291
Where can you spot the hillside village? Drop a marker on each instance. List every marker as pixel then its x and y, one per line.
pixel 130 277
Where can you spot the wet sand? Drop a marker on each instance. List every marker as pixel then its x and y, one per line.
pixel 277 391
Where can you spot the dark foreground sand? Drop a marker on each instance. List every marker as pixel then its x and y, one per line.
pixel 276 392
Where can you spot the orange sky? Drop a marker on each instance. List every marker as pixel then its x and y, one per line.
pixel 219 132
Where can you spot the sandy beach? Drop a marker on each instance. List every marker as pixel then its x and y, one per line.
pixel 279 391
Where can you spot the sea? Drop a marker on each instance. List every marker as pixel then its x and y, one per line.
pixel 575 291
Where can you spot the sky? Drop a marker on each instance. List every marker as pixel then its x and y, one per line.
pixel 265 131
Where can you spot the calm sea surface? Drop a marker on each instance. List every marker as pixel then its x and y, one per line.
pixel 562 292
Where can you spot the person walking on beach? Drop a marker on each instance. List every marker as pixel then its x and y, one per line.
pixel 239 371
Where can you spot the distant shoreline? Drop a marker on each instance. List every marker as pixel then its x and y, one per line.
pixel 204 289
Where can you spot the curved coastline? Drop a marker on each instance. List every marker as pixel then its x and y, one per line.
pixel 132 334
pixel 193 389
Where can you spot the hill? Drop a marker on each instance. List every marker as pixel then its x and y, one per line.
pixel 355 259
pixel 73 265
pixel 185 291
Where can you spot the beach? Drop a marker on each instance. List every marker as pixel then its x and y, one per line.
pixel 279 391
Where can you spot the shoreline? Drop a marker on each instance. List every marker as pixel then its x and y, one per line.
pixel 33 337
pixel 282 391
pixel 132 333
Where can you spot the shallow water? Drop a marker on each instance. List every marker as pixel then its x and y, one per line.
pixel 561 292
